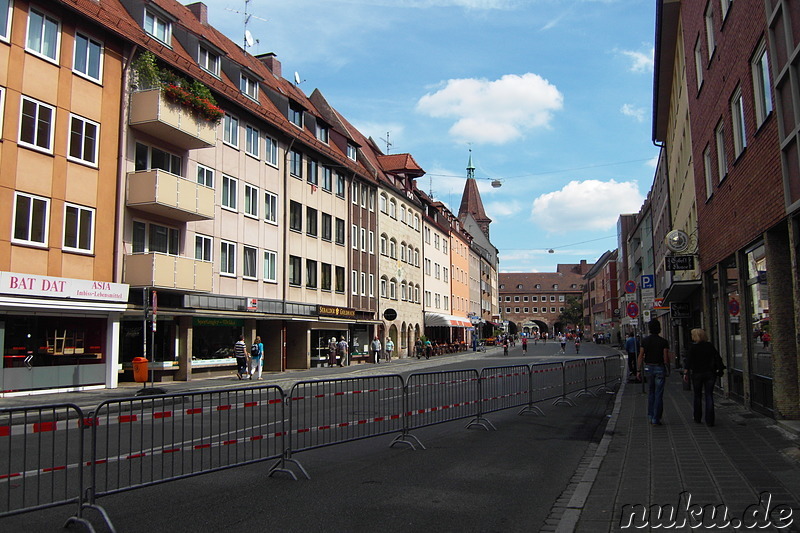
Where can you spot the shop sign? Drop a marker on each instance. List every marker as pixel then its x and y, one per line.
pixel 679 262
pixel 679 310
pixel 78 289
pixel 229 322
pixel 343 312
pixel 252 304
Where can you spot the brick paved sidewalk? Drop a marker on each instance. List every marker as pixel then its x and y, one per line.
pixel 732 463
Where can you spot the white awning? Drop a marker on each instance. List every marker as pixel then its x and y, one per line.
pixel 448 321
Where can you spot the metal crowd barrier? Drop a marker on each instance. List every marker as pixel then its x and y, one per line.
pixel 137 442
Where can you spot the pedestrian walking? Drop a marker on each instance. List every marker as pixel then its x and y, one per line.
pixel 389 349
pixel 333 347
pixel 524 345
pixel 341 351
pixel 654 357
pixel 256 358
pixel 562 339
pixel 375 349
pixel 240 353
pixel 703 364
pixel 428 348
pixel 577 344
pixel 632 347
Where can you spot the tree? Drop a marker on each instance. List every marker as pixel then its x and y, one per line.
pixel 573 312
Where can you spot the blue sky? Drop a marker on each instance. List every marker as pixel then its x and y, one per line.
pixel 554 97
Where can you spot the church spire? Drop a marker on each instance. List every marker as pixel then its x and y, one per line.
pixel 471 202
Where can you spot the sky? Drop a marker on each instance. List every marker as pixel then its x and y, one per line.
pixel 552 97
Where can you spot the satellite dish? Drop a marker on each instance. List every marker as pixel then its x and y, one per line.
pixel 296 78
pixel 248 38
pixel 677 241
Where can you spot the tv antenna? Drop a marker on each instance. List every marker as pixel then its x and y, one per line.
pixel 248 37
pixel 388 143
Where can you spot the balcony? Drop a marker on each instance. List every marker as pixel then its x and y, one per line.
pixel 155 115
pixel 168 195
pixel 164 271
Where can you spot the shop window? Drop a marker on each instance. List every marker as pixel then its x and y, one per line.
pixel 53 341
pixel 758 311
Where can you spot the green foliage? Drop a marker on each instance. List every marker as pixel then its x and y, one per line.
pixel 573 311
pixel 145 69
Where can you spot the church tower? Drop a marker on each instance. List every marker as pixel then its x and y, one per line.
pixel 471 203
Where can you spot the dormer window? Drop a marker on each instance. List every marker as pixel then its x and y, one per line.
pixel 296 115
pixel 208 60
pixel 158 26
pixel 322 133
pixel 555 287
pixel 248 86
pixel 351 151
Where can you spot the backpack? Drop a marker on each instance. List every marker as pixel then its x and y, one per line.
pixel 254 350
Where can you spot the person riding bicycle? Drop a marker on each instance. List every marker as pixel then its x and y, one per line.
pixel 418 348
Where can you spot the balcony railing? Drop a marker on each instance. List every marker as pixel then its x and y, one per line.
pixel 168 272
pixel 152 113
pixel 168 195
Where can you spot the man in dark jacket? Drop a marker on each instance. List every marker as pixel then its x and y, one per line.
pixel 704 364
pixel 654 357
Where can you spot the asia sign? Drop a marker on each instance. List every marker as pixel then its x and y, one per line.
pixel 48 286
pixel 679 262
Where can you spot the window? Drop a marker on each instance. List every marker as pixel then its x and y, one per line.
pixel 158 27
pixel 229 186
pixel 363 240
pixel 327 227
pixel 698 63
pixel 296 114
pixel 354 236
pixel 763 96
pixel 88 57
pixel 150 158
pixel 248 86
pixel 250 200
pixel 393 289
pixel 230 131
pixel 249 261
pixel 327 179
pixel 36 125
pixel 202 247
pixel 363 284
pixel 149 238
pixel 296 164
pixel 295 273
pixel 354 192
pixel 340 231
pixel 708 171
pixel 270 207
pixel 724 6
pixel 525 310
pixel 83 137
pixel 383 244
pixel 393 248
pixel 295 216
pixel 205 176
pixel 535 310
pixel 78 228
pixel 340 279
pixel 722 159
pixel 44 35
pixel 313 172
pixel 251 140
pixel 326 274
pixel 739 131
pixel 311 274
pixel 552 309
pixel 271 151
pixel 516 309
pixel 311 222
pixel 372 243
pixel 31 219
pixel 382 203
pixel 392 209
pixel 383 287
pixel 372 200
pixel 709 16
pixel 352 152
pixel 5 19
pixel 270 266
pixel 354 282
pixel 208 60
pixel 339 185
pixel 322 133
pixel 552 298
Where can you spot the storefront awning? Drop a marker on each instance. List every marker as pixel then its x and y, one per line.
pixel 448 321
pixel 680 291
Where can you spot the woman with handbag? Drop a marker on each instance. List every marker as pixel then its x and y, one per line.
pixel 704 365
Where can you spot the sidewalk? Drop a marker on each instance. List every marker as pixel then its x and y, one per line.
pixel 731 464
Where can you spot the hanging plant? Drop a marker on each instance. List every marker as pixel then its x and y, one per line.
pixel 146 74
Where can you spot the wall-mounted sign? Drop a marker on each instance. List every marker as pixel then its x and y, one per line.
pixel 252 304
pixel 340 312
pixel 679 310
pixel 78 289
pixel 390 314
pixel 679 262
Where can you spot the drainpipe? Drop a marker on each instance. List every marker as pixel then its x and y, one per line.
pixel 285 246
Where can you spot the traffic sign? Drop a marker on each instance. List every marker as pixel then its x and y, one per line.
pixel 733 307
pixel 630 286
pixel 647 282
pixel 646 315
pixel 632 309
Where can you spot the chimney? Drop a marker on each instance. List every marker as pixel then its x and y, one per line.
pixel 200 11
pixel 271 61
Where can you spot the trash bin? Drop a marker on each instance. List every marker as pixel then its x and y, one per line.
pixel 140 369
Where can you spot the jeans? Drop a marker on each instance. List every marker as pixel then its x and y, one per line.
pixel 703 385
pixel 655 395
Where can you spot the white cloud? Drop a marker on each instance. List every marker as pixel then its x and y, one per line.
pixel 502 208
pixel 633 111
pixel 640 61
pixel 586 205
pixel 496 111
